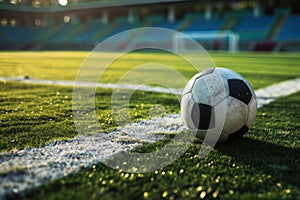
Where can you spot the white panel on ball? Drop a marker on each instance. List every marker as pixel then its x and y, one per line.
pixel 236 115
pixel 220 114
pixel 200 92
pixel 252 107
pixel 186 110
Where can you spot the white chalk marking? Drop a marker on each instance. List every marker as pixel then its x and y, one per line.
pixel 273 92
pixel 89 84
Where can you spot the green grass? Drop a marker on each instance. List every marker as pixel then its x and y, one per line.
pixel 33 115
pixel 261 69
pixel 264 164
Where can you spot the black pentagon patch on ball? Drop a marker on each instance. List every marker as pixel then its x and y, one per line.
pixel 238 134
pixel 203 116
pixel 239 90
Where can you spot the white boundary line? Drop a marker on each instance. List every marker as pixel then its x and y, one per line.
pixel 271 93
pixel 89 84
pixel 25 169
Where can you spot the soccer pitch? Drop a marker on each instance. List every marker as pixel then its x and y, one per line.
pixel 263 164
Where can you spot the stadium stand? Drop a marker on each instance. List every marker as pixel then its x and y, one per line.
pixel 121 24
pixel 290 29
pixel 252 28
pixel 62 33
pixel 88 32
pixel 22 33
pixel 204 25
pixel 84 34
pixel 170 25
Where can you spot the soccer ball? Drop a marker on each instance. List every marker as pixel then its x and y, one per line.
pixel 219 104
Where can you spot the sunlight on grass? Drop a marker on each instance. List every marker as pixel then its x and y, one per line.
pixel 263 164
pixel 260 69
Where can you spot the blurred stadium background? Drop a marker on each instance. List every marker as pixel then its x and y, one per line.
pixel 261 25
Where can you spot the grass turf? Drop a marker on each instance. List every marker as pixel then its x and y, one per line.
pixel 264 164
pixel 33 115
pixel 261 69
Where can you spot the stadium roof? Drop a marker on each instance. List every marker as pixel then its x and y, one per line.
pixel 83 5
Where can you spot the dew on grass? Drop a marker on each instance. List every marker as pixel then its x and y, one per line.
pixel 164 194
pixel 269 176
pixel 171 197
pixel 287 191
pixel 278 184
pixel 202 195
pixel 203 176
pixel 186 194
pixel 134 169
pixel 131 177
pixel 199 188
pixel 217 180
pixel 215 194
pixel 146 194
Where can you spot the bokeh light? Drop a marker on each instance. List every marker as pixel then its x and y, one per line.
pixel 63 2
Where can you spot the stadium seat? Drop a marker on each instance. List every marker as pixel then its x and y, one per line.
pixel 22 33
pixel 89 32
pixel 166 24
pixel 251 28
pixel 204 25
pixel 290 29
pixel 123 25
pixel 62 34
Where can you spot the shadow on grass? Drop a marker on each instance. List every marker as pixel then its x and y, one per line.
pixel 279 161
